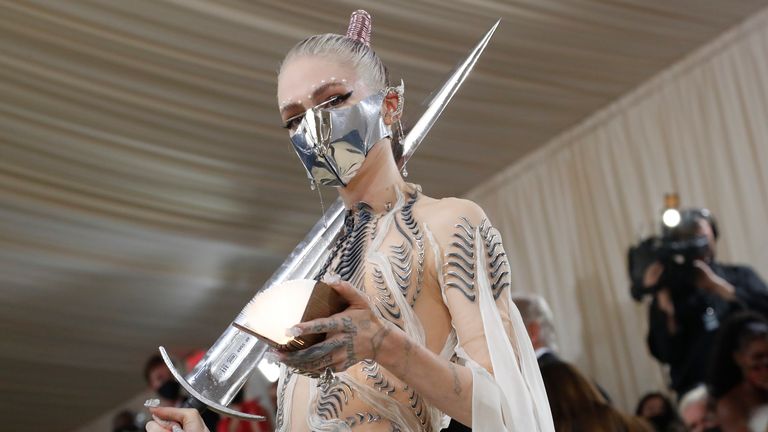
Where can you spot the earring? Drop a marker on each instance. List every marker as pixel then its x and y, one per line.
pixel 400 90
pixel 400 103
pixel 312 184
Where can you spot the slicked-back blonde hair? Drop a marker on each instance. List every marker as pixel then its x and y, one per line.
pixel 355 54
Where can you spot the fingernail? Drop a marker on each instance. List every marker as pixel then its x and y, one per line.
pixel 293 332
pixel 152 403
pixel 167 424
pixel 331 278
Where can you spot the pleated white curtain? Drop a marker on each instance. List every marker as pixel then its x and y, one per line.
pixel 569 211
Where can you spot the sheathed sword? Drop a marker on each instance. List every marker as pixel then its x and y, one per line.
pixel 224 368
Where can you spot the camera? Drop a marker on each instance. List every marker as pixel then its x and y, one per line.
pixel 676 249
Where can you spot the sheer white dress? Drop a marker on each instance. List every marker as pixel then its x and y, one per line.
pixel 436 269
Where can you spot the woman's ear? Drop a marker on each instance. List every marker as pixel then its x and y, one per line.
pixel 390 107
pixel 393 104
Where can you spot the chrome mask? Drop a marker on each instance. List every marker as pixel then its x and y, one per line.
pixel 332 143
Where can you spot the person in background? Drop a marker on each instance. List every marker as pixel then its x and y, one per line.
pixel 692 300
pixel 159 379
pixel 124 421
pixel 660 412
pixel 538 320
pixel 738 375
pixel 696 410
pixel 539 323
pixel 577 406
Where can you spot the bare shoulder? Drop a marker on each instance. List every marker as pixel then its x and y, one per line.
pixel 443 215
pixel 450 210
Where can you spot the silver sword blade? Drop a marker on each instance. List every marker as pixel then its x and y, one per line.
pixel 235 354
pixel 443 96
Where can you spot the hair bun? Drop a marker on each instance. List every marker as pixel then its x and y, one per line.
pixel 360 27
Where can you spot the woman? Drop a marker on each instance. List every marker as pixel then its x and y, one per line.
pixel 738 377
pixel 430 328
pixel 659 410
pixel 577 405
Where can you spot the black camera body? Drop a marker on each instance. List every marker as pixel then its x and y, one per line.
pixel 676 255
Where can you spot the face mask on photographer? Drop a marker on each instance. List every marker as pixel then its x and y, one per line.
pixel 170 390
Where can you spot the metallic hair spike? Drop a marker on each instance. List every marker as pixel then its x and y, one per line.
pixel 360 27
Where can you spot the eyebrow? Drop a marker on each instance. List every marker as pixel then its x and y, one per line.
pixel 315 92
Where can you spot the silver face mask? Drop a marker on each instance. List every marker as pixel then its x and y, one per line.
pixel 332 143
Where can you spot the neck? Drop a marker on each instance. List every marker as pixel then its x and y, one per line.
pixel 756 390
pixel 377 180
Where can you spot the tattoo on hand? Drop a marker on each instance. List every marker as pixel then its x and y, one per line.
pixel 350 331
pixel 349 325
pixel 312 365
pixel 314 357
pixel 325 328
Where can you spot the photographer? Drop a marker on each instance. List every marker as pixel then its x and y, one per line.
pixel 693 294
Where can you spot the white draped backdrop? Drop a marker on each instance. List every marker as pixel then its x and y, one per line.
pixel 569 211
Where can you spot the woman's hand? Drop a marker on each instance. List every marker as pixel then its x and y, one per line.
pixel 353 335
pixel 169 418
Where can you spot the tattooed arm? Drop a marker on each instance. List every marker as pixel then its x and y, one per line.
pixel 358 334
pixel 354 335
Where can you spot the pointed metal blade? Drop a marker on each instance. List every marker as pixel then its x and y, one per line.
pixel 442 97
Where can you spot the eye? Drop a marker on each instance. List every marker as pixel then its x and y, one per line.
pixel 332 102
pixel 293 122
pixel 337 100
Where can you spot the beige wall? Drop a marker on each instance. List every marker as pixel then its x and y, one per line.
pixel 569 211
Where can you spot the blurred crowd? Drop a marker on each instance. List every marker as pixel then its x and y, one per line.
pixel 707 329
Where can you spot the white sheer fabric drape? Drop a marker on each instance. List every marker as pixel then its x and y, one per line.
pixel 569 211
